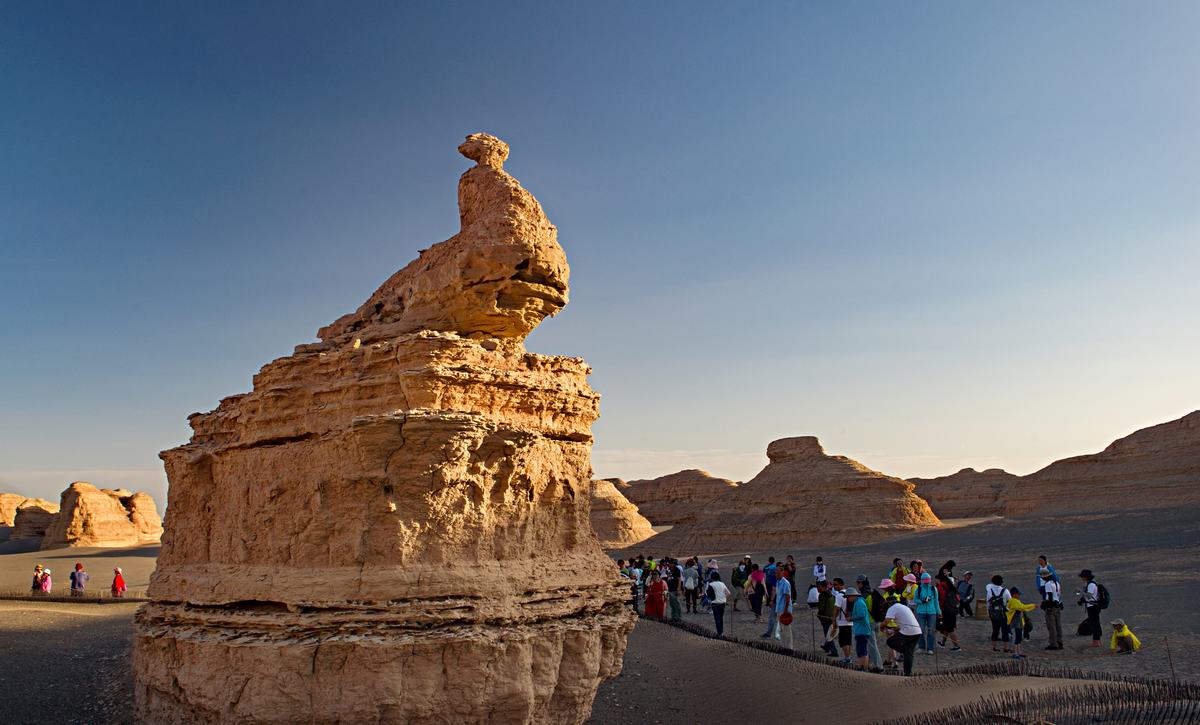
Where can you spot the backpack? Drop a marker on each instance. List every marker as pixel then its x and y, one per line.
pixel 879 607
pixel 1102 596
pixel 711 593
pixel 996 607
pixel 689 582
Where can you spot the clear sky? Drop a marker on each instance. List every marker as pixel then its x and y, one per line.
pixel 936 235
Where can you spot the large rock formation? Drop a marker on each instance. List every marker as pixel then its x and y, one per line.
pixel 393 525
pixel 8 507
pixel 91 516
pixel 802 498
pixel 1155 467
pixel 968 493
pixel 615 520
pixel 670 499
pixel 33 517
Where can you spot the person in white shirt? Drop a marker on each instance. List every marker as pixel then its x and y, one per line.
pixel 905 632
pixel 997 608
pixel 819 570
pixel 1090 599
pixel 845 633
pixel 718 595
pixel 1052 607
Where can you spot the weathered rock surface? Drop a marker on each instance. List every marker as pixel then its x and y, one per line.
pixel 1155 467
pixel 8 507
pixel 677 497
pixel 967 494
pixel 803 497
pixel 91 516
pixel 615 520
pixel 31 517
pixel 364 537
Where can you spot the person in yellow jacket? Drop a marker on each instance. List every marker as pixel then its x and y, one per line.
pixel 1124 641
pixel 1016 619
pixel 909 595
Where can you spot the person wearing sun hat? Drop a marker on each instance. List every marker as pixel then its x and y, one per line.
pixel 1124 641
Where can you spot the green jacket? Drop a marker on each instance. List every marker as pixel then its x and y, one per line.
pixel 826 605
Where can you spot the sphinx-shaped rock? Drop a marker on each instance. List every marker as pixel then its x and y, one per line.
pixel 1155 467
pixel 91 516
pixel 803 497
pixel 33 516
pixel 392 526
pixel 615 520
pixel 676 497
pixel 968 493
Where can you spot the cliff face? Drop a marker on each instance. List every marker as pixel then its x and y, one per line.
pixel 803 497
pixel 31 518
pixel 90 516
pixel 968 493
pixel 364 537
pixel 1155 467
pixel 675 498
pixel 615 520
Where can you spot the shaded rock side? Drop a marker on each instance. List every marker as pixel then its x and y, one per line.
pixel 91 516
pixel 968 493
pixel 615 520
pixel 676 497
pixel 364 536
pixel 31 519
pixel 803 497
pixel 1155 467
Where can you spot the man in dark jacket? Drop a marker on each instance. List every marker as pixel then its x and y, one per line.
pixel 966 596
pixel 826 612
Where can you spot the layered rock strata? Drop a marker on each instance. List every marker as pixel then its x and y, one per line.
pixel 33 517
pixel 968 493
pixel 677 497
pixel 91 516
pixel 615 520
pixel 803 497
pixel 366 536
pixel 8 507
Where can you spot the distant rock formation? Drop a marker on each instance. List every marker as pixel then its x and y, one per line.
pixel 803 497
pixel 33 516
pixel 967 494
pixel 392 526
pixel 8 507
pixel 91 516
pixel 1155 467
pixel 615 520
pixel 677 497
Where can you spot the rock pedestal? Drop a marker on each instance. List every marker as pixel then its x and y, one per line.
pixel 393 525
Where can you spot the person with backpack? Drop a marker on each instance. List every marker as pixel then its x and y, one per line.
pixel 1093 599
pixel 756 591
pixel 1052 608
pixel 1016 610
pixel 876 610
pixel 717 594
pixel 997 609
pixel 691 587
pixel 826 614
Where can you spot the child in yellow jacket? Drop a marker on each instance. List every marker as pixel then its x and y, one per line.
pixel 1016 619
pixel 1124 641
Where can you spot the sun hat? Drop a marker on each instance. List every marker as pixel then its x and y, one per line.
pixel 851 593
pixel 910 578
pixel 1118 623
pixel 884 584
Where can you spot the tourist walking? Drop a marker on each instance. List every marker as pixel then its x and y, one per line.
pixel 782 613
pixel 905 633
pixel 928 610
pixel 756 591
pixel 1091 600
pixel 656 597
pixel 738 578
pixel 118 585
pixel 79 579
pixel 997 608
pixel 1123 640
pixel 966 595
pixel 691 586
pixel 1052 607
pixel 718 595
pixel 1016 619
pixel 827 615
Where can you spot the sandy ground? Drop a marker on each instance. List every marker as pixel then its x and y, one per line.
pixel 17 559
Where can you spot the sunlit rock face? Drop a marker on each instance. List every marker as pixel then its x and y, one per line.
pixel 615 520
pixel 392 526
pixel 106 517
pixel 676 497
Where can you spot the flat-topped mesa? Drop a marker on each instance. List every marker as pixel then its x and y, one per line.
pixel 363 537
pixel 797 447
pixel 500 276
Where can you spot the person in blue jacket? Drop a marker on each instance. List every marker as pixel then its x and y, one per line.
pixel 928 609
pixel 1044 563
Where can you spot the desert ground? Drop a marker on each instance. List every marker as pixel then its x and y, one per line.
pixel 68 662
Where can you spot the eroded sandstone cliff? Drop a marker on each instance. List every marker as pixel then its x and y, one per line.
pixel 91 516
pixel 615 520
pixel 803 497
pixel 968 493
pixel 392 526
pixel 33 516
pixel 676 497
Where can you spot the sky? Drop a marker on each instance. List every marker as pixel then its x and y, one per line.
pixel 935 235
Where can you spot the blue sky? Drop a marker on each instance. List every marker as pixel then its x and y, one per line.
pixel 933 234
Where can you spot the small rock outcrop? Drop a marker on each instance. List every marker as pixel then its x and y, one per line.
pixel 8 507
pixel 392 526
pixel 676 497
pixel 91 516
pixel 967 494
pixel 1155 467
pixel 803 497
pixel 615 520
pixel 31 519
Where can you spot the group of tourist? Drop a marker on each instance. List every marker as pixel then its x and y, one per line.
pixel 43 582
pixel 911 609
